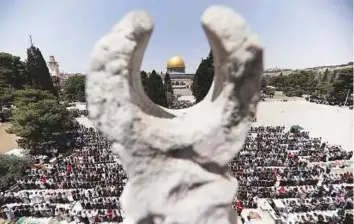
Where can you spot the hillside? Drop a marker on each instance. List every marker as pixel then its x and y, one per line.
pixel 278 71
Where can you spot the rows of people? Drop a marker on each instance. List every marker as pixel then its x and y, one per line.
pixel 292 167
pixel 82 187
pixel 273 164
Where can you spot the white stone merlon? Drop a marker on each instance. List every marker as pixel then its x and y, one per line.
pixel 176 161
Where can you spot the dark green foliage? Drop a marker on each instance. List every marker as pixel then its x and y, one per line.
pixel 38 70
pixel 332 77
pixel 334 84
pixel 325 76
pixel 23 97
pixel 343 85
pixel 168 90
pixel 269 91
pixel 203 78
pixel 42 124
pixel 75 88
pixel 12 168
pixel 13 76
pixel 264 82
pixel 144 81
pixel 13 72
pixel 168 84
pixel 6 97
pixel 40 120
pixel 156 90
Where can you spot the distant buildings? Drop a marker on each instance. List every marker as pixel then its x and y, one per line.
pixel 53 67
pixel 181 81
pixel 58 78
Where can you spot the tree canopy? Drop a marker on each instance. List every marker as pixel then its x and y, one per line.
pixel 203 78
pixel 75 88
pixel 156 90
pixel 336 84
pixel 13 73
pixel 38 70
pixel 343 85
pixel 37 116
pixel 144 81
pixel 168 84
pixel 42 124
pixel 25 96
pixel 13 76
pixel 12 168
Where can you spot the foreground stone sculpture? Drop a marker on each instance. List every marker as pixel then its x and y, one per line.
pixel 176 160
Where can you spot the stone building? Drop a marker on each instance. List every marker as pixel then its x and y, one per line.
pixel 181 81
pixel 55 74
pixel 58 77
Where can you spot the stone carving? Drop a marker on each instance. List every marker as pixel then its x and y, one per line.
pixel 176 160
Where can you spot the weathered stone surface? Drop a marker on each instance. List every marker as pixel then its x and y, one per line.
pixel 176 160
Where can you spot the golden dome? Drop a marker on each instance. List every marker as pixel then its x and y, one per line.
pixel 175 62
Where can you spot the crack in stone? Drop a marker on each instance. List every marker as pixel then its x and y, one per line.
pixel 181 190
pixel 152 219
pixel 188 153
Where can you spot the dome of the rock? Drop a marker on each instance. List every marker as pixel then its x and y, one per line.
pixel 176 64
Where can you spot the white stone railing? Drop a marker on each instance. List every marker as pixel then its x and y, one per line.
pixel 176 160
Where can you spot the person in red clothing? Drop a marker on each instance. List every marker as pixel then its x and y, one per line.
pixel 109 214
pixel 274 172
pixel 239 207
pixel 43 180
pixel 68 169
pixel 290 155
pixel 282 190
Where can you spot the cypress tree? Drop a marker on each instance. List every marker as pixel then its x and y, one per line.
pixel 38 70
pixel 156 90
pixel 203 78
pixel 325 75
pixel 144 81
pixel 168 83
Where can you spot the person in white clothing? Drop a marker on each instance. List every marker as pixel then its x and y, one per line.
pixel 249 221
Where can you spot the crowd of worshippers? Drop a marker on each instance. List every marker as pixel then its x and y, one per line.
pixel 91 177
pixel 273 164
pixel 278 164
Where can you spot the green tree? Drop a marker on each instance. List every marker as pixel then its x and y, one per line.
pixel 269 91
pixel 325 75
pixel 13 76
pixel 43 124
pixel 156 90
pixel 168 84
pixel 24 97
pixel 13 73
pixel 333 76
pixel 144 81
pixel 343 85
pixel 203 78
pixel 38 70
pixel 264 82
pixel 75 88
pixel 170 99
pixel 12 168
pixel 6 97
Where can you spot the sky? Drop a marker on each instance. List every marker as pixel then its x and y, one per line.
pixel 294 33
